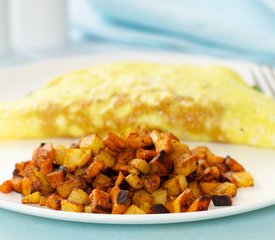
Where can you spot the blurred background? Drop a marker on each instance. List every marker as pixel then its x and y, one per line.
pixel 32 30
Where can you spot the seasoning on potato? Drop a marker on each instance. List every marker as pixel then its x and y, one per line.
pixel 146 172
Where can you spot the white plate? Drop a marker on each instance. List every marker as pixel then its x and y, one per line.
pixel 259 162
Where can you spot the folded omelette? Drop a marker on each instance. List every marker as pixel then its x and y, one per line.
pixel 195 103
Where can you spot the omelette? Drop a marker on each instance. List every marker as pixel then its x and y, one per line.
pixel 195 103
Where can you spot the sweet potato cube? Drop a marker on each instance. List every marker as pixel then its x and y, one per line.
pixel 100 201
pixel 16 184
pixel 222 200
pixel 69 206
pixel 200 204
pixel 55 178
pixel 115 143
pixel 54 201
pixel 94 168
pixel 209 174
pixel 183 201
pixel 146 154
pixel 120 200
pixel 151 182
pixel 159 208
pixel 234 165
pixel 6 186
pixel 65 188
pixel 139 141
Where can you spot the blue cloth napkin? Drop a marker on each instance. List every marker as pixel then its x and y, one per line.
pixel 229 28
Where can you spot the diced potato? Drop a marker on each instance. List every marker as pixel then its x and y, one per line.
pixel 146 207
pixel 100 201
pixel 178 150
pixel 79 196
pixel 133 170
pixel 234 165
pixel 42 200
pixel 106 157
pixel 100 180
pixel 60 154
pixel 69 206
pixel 202 165
pixel 212 158
pixel 88 209
pixel 194 186
pixel 16 184
pixel 6 186
pixel 139 141
pixel 94 168
pixel 200 204
pixel 185 164
pixel 45 188
pixel 151 182
pixel 115 143
pixel 213 188
pixel 76 157
pixel 183 201
pixel 65 188
pixel 146 154
pixel 159 196
pixel 133 209
pixel 92 142
pixel 55 178
pixel 141 165
pixel 140 197
pixel 222 200
pixel 209 174
pixel 54 201
pixel 26 186
pixel 175 185
pixel 33 198
pixel 157 164
pixel 243 179
pixel 119 179
pixel 134 181
pixel 159 208
pixel 120 200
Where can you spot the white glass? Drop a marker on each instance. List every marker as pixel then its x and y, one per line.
pixel 38 25
pixel 4 28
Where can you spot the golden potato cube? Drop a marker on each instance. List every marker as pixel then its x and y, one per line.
pixel 194 186
pixel 133 209
pixel 94 168
pixel 69 206
pixel 185 164
pixel 26 186
pixel 134 181
pixel 76 157
pixel 213 188
pixel 92 142
pixel 176 185
pixel 159 196
pixel 178 150
pixel 146 207
pixel 88 209
pixel 183 201
pixel 60 154
pixel 141 165
pixel 200 204
pixel 140 197
pixel 101 179
pixel 42 200
pixel 106 157
pixel 79 196
pixel 243 179
pixel 33 198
